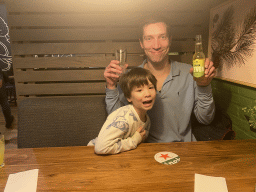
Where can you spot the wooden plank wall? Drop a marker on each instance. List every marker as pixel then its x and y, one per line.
pixel 61 47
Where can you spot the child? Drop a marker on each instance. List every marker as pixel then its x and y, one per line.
pixel 129 125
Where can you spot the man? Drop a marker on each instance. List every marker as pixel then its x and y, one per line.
pixel 178 94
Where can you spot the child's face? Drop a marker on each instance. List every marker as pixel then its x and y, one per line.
pixel 143 97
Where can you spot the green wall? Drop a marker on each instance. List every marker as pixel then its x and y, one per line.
pixel 231 98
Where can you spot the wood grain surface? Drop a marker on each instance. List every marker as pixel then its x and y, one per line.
pixel 79 169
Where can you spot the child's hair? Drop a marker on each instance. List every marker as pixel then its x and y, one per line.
pixel 136 77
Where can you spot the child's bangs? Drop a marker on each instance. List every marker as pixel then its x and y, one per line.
pixel 139 81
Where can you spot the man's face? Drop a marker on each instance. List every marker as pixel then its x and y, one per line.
pixel 155 42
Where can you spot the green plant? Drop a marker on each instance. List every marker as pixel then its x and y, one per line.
pixel 250 114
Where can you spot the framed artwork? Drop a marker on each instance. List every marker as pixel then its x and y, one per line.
pixel 5 46
pixel 232 41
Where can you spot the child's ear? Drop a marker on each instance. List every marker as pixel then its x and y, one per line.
pixel 129 100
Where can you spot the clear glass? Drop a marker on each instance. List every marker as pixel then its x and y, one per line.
pixel 121 56
pixel 2 149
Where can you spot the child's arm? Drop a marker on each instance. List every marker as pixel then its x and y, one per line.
pixel 110 141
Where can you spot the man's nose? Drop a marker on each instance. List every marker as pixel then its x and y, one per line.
pixel 156 44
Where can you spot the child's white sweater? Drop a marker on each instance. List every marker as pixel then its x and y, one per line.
pixel 119 132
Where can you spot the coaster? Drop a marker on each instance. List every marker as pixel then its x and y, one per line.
pixel 167 158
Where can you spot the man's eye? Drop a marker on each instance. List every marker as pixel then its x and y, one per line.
pixel 163 37
pixel 147 38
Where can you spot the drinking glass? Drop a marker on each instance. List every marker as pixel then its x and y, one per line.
pixel 2 148
pixel 121 56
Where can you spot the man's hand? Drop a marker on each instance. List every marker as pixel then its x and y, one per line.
pixel 142 132
pixel 1 83
pixel 209 74
pixel 112 73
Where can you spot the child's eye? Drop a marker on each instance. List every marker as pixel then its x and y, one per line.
pixel 138 90
pixel 152 87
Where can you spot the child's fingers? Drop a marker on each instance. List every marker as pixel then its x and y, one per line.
pixel 140 129
pixel 143 133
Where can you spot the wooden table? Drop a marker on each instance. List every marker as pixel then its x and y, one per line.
pixel 79 169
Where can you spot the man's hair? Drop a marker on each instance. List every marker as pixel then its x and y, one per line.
pixel 136 77
pixel 152 20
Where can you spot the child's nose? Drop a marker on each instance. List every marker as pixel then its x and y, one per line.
pixel 147 92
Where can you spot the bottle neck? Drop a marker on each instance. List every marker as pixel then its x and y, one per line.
pixel 198 47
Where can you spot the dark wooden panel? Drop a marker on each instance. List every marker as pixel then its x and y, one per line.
pixel 91 48
pixel 74 48
pixel 106 5
pixel 59 75
pixel 75 62
pixel 73 34
pixel 61 88
pixel 98 19
pixel 184 58
pixel 179 32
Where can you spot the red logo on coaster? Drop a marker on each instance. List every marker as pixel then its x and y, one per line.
pixel 167 158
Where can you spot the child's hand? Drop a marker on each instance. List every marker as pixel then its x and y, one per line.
pixel 142 132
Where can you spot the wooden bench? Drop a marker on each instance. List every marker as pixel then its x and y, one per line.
pixel 60 51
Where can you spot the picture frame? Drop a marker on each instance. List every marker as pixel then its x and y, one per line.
pixel 232 41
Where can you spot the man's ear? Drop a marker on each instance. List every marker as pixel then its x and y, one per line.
pixel 141 44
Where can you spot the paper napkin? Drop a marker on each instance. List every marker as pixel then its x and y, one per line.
pixel 22 182
pixel 205 183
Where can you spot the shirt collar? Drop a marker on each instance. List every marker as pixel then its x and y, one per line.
pixel 175 70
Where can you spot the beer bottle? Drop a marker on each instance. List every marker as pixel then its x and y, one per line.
pixel 198 58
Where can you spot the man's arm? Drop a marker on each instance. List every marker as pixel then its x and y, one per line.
pixel 204 108
pixel 114 96
pixel 114 99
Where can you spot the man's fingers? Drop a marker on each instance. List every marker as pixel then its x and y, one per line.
pixel 208 66
pixel 206 63
pixel 210 71
pixel 191 70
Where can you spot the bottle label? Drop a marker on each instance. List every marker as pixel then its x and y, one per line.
pixel 198 67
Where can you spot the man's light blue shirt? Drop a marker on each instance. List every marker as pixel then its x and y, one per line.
pixel 178 98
